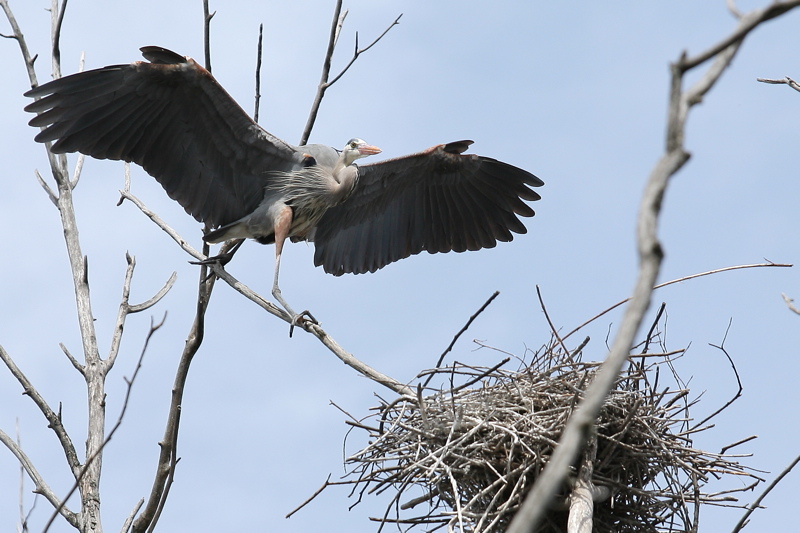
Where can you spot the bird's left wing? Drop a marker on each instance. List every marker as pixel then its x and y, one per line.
pixel 439 200
pixel 172 117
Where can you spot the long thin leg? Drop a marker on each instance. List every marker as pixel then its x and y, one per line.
pixel 282 224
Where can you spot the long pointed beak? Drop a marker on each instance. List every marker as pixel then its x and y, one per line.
pixel 368 149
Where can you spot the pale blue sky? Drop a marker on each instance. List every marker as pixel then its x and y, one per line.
pixel 576 96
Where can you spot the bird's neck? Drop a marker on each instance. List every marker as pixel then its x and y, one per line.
pixel 345 175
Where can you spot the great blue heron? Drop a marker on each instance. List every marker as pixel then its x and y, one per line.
pixel 171 116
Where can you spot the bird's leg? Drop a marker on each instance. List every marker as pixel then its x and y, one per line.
pixel 283 222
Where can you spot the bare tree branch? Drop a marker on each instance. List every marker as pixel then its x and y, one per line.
pixel 461 332
pixel 125 309
pixel 47 188
pixel 129 521
pixel 576 430
pixel 790 304
pixel 53 419
pixel 785 81
pixel 731 4
pixel 168 460
pixel 207 34
pixel 56 162
pixel 97 455
pixel 553 329
pixel 757 504
pixel 678 280
pixel 41 485
pixel 17 36
pixel 168 457
pixel 259 47
pixel 57 22
pixel 357 52
pixel 75 363
pixel 336 27
pixel 747 23
pixel 738 394
pixel 95 369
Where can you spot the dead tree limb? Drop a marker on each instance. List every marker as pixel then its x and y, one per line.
pixel 336 28
pixel 650 257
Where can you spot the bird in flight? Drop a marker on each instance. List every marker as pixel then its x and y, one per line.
pixel 170 116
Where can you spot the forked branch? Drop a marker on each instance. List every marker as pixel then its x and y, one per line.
pixel 336 27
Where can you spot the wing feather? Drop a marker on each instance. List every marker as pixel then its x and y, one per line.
pixel 171 117
pixel 439 200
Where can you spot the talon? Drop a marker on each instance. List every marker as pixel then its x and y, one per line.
pixel 300 319
pixel 222 258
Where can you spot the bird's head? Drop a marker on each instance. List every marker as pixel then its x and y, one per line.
pixel 356 149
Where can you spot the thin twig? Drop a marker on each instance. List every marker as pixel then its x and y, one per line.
pixel 308 500
pixel 790 304
pixel 75 363
pixel 357 52
pixel 324 84
pixel 58 21
pixel 53 419
pixel 731 4
pixel 168 460
pixel 679 280
pixel 47 188
pixel 747 23
pixel 461 331
pixel 168 457
pixel 207 34
pixel 553 329
pixel 137 308
pixel 91 459
pixel 738 394
pixel 258 70
pixel 41 485
pixel 126 526
pixel 757 504
pixel 737 443
pixel 785 81
pixel 326 69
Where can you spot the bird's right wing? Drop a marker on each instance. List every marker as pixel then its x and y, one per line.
pixel 439 200
pixel 171 117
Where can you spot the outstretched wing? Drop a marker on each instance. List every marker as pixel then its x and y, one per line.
pixel 171 117
pixel 437 200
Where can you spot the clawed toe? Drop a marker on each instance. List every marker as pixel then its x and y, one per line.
pixel 300 319
pixel 222 258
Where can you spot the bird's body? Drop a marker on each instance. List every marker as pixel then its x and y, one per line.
pixel 171 116
pixel 325 180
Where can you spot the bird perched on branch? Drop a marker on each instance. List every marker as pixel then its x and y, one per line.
pixel 170 116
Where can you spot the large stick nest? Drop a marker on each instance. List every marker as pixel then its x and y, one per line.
pixel 468 455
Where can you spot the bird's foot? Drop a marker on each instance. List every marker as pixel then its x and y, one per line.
pixel 222 258
pixel 302 319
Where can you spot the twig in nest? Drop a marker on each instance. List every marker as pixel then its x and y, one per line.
pixel 458 335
